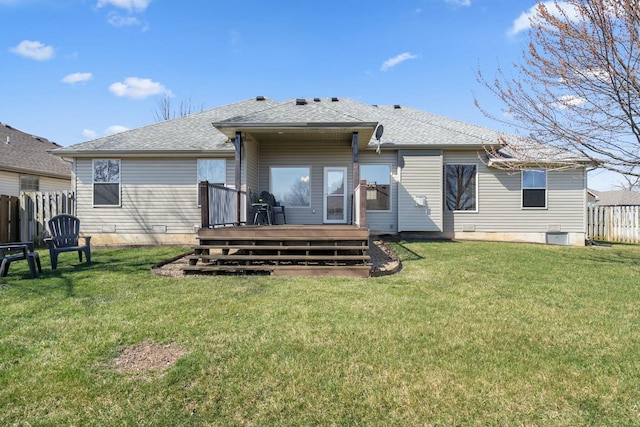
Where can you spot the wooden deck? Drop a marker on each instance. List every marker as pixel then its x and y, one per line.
pixel 282 250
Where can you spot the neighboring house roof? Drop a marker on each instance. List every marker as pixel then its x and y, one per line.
pixel 21 152
pixel 616 198
pixel 212 130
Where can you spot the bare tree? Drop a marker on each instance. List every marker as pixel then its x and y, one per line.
pixel 577 87
pixel 631 183
pixel 165 111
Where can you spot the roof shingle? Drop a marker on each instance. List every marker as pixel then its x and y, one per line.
pixel 25 153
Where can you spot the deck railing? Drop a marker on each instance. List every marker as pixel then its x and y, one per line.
pixel 220 205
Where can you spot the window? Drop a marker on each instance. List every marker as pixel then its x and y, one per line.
pixel 291 186
pixel 106 182
pixel 212 170
pixel 534 188
pixel 29 183
pixel 378 179
pixel 460 187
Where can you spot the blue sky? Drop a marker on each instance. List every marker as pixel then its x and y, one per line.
pixel 73 70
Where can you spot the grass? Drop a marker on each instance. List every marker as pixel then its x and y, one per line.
pixel 467 334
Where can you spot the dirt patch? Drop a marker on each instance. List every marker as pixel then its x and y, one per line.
pixel 383 261
pixel 148 356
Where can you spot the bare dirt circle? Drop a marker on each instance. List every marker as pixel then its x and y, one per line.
pixel 148 356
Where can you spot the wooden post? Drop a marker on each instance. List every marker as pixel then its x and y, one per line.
pixel 362 208
pixel 204 204
pixel 5 208
pixel 238 167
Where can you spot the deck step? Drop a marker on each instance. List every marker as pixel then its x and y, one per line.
pixel 283 247
pixel 279 270
pixel 282 250
pixel 276 257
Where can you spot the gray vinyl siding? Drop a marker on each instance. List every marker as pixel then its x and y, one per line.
pixel 421 178
pixel 313 154
pixel 54 184
pixel 154 192
pixel 10 184
pixel 251 166
pixel 500 201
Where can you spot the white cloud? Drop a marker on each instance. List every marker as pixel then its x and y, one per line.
pixel 89 134
pixel 392 62
pixel 567 101
pixel 137 88
pixel 523 22
pixel 122 21
pixel 112 130
pixel 460 2
pixel 77 78
pixel 33 50
pixel 130 5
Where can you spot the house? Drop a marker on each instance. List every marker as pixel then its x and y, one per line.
pixel 614 198
pixel 426 175
pixel 27 165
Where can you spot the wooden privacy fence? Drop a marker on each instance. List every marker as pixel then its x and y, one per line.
pixel 614 223
pixel 37 208
pixel 24 218
pixel 9 219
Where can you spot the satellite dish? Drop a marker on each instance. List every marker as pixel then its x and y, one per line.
pixel 379 131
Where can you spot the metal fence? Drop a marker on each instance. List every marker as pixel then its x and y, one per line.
pixel 220 205
pixel 614 223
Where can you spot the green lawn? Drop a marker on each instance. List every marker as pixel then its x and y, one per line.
pixel 466 334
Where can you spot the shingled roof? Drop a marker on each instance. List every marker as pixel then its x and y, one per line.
pixel 21 152
pixel 617 198
pixel 199 133
pixel 183 135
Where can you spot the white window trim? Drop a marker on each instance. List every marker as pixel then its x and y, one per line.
pixel 390 186
pixel 469 211
pixel 292 167
pixel 545 188
pixel 93 183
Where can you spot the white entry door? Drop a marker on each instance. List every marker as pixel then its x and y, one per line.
pixel 335 196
